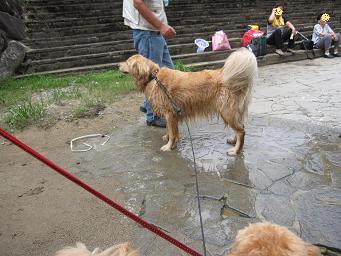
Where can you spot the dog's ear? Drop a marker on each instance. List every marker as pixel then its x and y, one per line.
pixel 141 68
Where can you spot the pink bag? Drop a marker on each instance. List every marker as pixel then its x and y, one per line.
pixel 220 41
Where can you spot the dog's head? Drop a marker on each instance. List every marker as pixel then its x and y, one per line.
pixel 140 68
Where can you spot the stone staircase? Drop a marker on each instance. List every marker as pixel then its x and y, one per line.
pixel 82 35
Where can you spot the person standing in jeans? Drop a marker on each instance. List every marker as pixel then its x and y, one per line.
pixel 148 20
pixel 279 30
pixel 324 37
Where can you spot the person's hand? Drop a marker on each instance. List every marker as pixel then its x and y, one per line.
pixel 167 31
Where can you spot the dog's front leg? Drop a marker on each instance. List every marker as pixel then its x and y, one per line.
pixel 172 133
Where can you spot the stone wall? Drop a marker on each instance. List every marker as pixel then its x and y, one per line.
pixel 12 30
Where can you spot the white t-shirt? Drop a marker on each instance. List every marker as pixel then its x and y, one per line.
pixel 134 20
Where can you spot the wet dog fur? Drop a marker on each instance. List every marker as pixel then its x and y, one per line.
pixel 225 91
pixel 259 239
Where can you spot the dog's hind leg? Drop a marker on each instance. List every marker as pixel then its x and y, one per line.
pixel 232 119
pixel 172 132
pixel 240 134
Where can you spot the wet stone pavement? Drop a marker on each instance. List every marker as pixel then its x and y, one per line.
pixel 289 172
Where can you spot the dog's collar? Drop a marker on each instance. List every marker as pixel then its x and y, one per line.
pixel 152 76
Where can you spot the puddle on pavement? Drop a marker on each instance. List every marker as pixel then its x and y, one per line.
pixel 281 165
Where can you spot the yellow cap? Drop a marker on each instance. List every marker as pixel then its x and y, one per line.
pixel 278 11
pixel 325 17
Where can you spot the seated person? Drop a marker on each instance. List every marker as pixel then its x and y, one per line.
pixel 324 37
pixel 279 30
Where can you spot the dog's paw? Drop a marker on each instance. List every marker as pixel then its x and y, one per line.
pixel 166 148
pixel 165 138
pixel 232 152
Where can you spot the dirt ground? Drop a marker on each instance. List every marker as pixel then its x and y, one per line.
pixel 36 203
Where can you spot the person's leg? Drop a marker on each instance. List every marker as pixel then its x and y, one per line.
pixel 150 45
pixel 287 36
pixel 324 43
pixel 276 39
pixel 166 58
pixel 336 44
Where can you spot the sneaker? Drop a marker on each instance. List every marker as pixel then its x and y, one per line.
pixel 143 109
pixel 336 55
pixel 328 56
pixel 158 122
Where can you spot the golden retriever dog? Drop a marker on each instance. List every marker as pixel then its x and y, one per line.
pixel 266 239
pixel 260 239
pixel 225 91
pixel 81 250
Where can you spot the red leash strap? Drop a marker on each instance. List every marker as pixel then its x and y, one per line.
pixel 79 182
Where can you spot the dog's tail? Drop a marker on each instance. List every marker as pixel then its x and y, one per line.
pixel 240 70
pixel 239 76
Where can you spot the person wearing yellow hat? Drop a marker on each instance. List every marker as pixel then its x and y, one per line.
pixel 324 37
pixel 279 30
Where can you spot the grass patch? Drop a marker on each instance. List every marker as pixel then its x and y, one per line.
pixel 182 67
pixel 25 114
pixel 25 101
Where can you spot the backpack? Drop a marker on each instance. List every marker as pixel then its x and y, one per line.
pixel 307 45
pixel 258 46
pixel 249 35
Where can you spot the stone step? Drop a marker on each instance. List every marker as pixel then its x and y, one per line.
pixel 185 11
pixel 75 36
pixel 182 44
pixel 269 59
pixel 119 28
pixel 178 21
pixel 55 6
pixel 185 53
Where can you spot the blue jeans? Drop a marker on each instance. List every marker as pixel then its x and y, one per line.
pixel 153 46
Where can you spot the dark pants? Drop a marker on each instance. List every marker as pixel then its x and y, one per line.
pixel 277 38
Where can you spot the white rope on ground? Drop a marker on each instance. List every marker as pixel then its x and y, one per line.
pixel 89 146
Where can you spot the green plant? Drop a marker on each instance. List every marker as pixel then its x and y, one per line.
pixel 25 114
pixel 182 67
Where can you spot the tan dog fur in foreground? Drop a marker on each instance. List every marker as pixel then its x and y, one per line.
pixel 260 239
pixel 81 250
pixel 225 91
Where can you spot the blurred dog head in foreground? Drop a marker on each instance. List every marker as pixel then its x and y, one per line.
pixel 81 250
pixel 266 239
pixel 260 239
